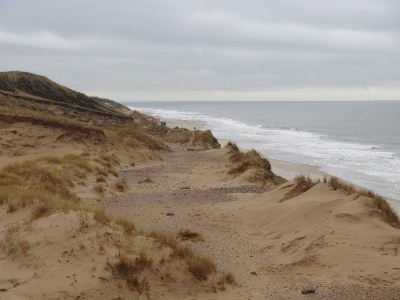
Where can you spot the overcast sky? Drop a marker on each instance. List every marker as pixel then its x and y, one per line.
pixel 131 50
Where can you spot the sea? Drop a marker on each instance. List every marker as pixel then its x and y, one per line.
pixel 358 141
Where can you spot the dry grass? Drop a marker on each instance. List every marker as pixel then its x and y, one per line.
pixel 101 216
pixel 12 243
pixel 188 234
pixel 12 207
pixel 102 172
pixel 41 210
pixel 43 184
pixel 136 136
pixel 121 185
pixel 251 160
pixel 46 118
pixel 129 269
pixel 205 139
pixel 178 135
pixel 230 278
pixel 201 267
pixel 164 240
pixel 126 225
pixel 303 184
pixel 385 210
pixel 126 266
pixel 112 171
pixel 227 278
pixel 337 184
pixel 110 160
pixel 76 161
pixel 101 179
pixel 140 285
pixel 99 189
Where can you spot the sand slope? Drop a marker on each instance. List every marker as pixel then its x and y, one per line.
pixel 324 238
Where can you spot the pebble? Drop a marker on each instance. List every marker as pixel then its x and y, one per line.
pixel 170 214
pixel 308 290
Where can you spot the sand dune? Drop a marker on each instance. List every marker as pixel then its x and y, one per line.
pixel 98 205
pixel 335 242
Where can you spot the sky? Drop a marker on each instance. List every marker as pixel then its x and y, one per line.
pixel 130 50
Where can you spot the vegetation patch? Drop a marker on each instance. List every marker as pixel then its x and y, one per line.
pixel 129 269
pixel 178 135
pixel 127 225
pixel 137 136
pixel 251 160
pixel 12 243
pixel 121 185
pixel 99 189
pixel 227 278
pixel 201 267
pixel 303 184
pixel 101 216
pixel 205 139
pixel 378 202
pixel 188 234
pixel 43 184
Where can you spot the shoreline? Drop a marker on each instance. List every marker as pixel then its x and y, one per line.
pixel 285 169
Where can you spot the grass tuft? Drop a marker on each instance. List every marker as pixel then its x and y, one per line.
pixel 385 210
pixel 188 234
pixel 99 189
pixel 126 225
pixel 121 185
pixel 303 184
pixel 205 139
pixel 12 243
pixel 43 184
pixel 101 179
pixel 12 207
pixel 129 269
pixel 101 216
pixel 136 136
pixel 251 160
pixel 230 278
pixel 201 267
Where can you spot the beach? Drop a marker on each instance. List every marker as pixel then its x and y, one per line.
pixel 143 210
pixel 285 169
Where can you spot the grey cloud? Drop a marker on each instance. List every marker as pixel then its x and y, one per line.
pixel 162 46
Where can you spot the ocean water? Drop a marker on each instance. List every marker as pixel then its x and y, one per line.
pixel 357 141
